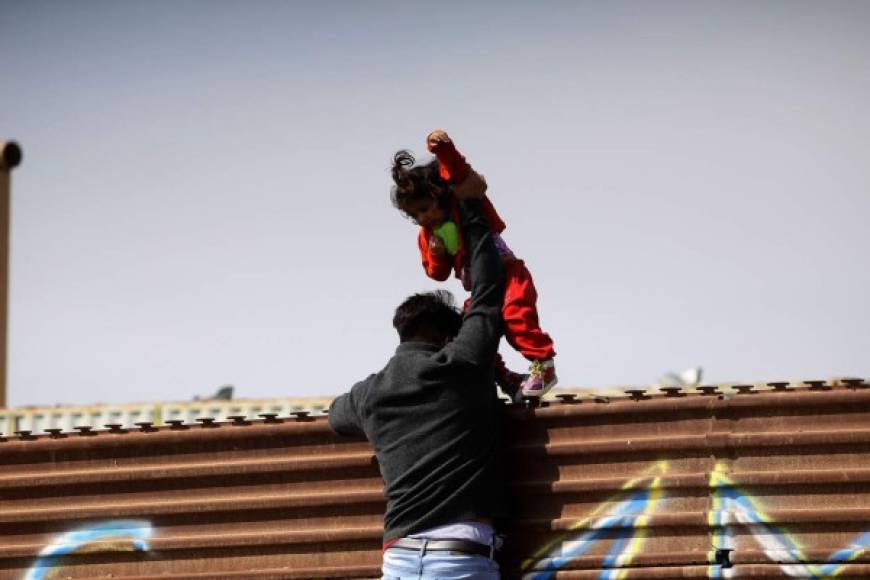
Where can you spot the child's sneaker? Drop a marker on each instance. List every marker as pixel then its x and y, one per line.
pixel 542 378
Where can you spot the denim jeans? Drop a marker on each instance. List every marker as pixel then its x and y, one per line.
pixel 400 564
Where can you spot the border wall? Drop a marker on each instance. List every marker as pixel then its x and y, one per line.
pixel 748 481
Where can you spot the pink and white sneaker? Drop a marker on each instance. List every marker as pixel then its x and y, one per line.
pixel 542 378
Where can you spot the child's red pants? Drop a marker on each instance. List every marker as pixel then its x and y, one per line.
pixel 521 327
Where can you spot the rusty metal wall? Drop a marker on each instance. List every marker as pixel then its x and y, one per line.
pixel 749 482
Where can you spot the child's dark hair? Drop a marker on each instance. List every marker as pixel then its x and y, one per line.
pixel 413 183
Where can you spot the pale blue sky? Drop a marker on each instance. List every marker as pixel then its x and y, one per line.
pixel 204 193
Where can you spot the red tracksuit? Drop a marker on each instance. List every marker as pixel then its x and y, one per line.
pixel 522 329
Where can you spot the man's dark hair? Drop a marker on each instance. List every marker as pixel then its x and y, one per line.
pixel 428 316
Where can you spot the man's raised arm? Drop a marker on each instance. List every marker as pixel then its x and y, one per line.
pixel 482 326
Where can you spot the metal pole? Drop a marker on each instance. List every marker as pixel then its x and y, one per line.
pixel 10 156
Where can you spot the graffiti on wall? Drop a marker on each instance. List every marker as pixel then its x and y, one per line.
pixel 731 505
pixel 623 522
pixel 110 536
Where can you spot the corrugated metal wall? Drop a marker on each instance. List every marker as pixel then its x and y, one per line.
pixel 701 485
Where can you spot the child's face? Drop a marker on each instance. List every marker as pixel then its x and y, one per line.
pixel 426 213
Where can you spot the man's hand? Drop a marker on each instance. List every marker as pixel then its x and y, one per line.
pixel 436 246
pixel 472 187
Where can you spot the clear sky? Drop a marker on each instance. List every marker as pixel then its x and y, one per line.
pixel 204 196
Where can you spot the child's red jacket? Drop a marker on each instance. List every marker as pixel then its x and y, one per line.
pixel 438 266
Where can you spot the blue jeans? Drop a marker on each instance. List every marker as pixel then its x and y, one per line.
pixel 400 564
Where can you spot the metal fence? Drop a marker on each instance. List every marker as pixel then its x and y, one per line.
pixel 762 481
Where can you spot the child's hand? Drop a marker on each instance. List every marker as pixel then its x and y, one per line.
pixel 435 139
pixel 436 245
pixel 472 187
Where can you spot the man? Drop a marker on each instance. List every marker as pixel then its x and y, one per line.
pixel 431 416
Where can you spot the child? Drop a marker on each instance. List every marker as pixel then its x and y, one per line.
pixel 423 194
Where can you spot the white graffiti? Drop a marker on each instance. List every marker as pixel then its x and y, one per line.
pixel 133 533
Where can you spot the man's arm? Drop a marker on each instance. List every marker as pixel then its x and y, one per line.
pixel 482 327
pixel 345 412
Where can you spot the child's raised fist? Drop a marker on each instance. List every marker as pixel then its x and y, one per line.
pixel 436 139
pixel 452 166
